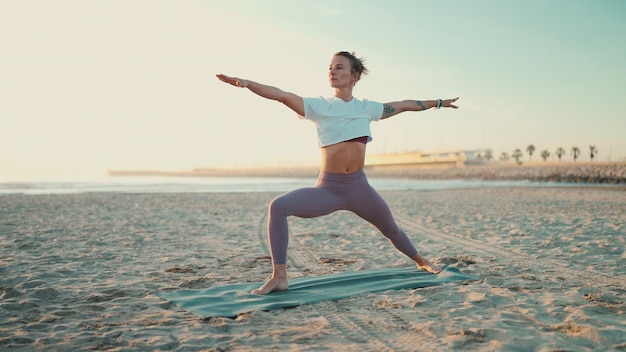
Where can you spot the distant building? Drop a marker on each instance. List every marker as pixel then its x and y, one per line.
pixel 478 156
pixel 426 160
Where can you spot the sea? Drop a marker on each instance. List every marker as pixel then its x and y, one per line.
pixel 164 184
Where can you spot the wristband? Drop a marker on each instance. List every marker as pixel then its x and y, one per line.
pixel 439 103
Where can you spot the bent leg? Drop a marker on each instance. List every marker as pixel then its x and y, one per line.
pixel 305 203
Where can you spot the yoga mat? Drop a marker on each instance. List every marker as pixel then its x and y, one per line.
pixel 231 300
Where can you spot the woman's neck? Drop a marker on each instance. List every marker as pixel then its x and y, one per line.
pixel 343 94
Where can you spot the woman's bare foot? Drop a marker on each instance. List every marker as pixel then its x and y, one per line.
pixel 272 285
pixel 424 264
pixel 278 282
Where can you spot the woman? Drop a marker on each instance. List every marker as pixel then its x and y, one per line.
pixel 343 130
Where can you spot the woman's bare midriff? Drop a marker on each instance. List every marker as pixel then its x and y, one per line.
pixel 343 158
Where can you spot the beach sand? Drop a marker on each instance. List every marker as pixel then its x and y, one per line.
pixel 80 272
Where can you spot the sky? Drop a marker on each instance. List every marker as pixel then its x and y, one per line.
pixel 91 86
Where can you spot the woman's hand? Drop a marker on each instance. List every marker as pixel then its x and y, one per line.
pixel 447 103
pixel 294 102
pixel 237 82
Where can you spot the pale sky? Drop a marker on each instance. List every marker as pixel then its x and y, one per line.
pixel 87 86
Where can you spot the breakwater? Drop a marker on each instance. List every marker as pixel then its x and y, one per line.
pixel 608 173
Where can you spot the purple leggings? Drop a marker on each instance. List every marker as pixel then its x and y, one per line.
pixel 333 192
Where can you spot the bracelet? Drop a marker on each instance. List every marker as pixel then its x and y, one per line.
pixel 439 103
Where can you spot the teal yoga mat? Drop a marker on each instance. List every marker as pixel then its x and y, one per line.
pixel 231 300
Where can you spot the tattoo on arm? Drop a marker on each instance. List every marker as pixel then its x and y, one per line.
pixel 421 105
pixel 388 110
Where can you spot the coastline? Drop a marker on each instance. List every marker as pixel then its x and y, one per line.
pixel 581 172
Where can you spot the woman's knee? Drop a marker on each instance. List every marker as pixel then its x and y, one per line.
pixel 278 205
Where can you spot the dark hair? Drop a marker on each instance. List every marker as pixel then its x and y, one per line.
pixel 356 64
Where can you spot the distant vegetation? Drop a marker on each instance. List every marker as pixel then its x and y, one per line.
pixel 545 154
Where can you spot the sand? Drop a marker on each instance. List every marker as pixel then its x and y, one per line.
pixel 80 272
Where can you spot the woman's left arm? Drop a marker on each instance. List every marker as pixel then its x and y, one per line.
pixel 396 107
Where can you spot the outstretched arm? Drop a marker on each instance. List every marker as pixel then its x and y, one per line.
pixel 397 107
pixel 293 101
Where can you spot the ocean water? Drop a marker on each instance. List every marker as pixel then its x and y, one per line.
pixel 160 184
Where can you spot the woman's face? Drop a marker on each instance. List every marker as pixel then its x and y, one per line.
pixel 340 73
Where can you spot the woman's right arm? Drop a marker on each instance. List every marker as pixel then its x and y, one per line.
pixel 293 101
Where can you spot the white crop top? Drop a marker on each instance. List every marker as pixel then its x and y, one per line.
pixel 338 121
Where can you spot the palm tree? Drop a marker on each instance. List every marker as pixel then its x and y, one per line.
pixel 592 152
pixel 545 155
pixel 517 155
pixel 560 152
pixel 504 156
pixel 575 153
pixel 530 149
pixel 488 154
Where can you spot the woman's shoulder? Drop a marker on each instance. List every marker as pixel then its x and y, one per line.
pixel 321 99
pixel 315 100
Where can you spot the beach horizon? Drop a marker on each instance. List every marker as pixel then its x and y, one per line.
pixel 572 172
